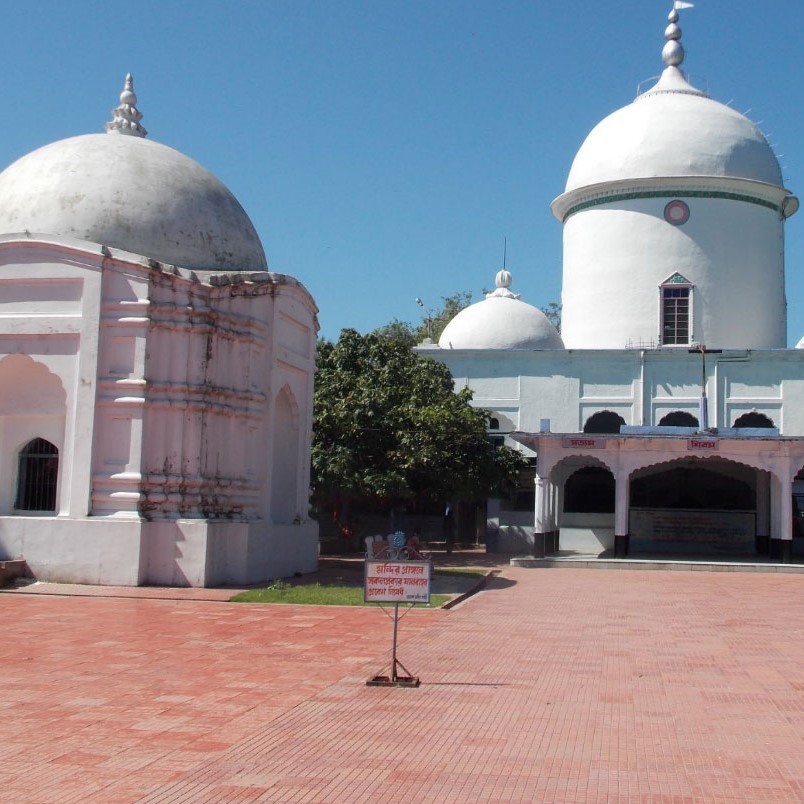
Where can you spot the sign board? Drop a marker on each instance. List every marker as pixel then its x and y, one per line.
pixel 702 444
pixel 397 581
pixel 583 442
pixel 684 530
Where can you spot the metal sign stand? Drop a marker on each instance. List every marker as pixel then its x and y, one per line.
pixel 395 680
pixel 392 577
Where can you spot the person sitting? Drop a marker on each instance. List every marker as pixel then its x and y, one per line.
pixel 414 546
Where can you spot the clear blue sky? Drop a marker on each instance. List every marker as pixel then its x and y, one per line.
pixel 384 149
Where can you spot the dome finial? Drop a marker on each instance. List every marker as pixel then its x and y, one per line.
pixel 503 282
pixel 673 51
pixel 673 78
pixel 126 117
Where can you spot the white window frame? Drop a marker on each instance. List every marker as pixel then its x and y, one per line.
pixel 673 283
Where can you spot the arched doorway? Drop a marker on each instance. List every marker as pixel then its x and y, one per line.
pixel 694 506
pixel 586 523
pixel 589 490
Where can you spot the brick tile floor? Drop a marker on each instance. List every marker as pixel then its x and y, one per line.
pixel 552 685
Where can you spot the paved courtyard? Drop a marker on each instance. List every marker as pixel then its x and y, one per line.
pixel 551 685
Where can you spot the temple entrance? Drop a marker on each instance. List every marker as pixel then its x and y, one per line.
pixel 693 506
pixel 587 509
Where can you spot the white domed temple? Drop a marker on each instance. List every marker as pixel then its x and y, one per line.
pixel 155 378
pixel 668 415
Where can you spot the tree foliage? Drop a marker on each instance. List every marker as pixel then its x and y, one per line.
pixel 553 313
pixel 390 429
pixel 434 321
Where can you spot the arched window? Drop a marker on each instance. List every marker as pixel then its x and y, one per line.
pixel 678 418
pixel 37 476
pixel 603 422
pixel 675 311
pixel 589 490
pixel 494 424
pixel 753 419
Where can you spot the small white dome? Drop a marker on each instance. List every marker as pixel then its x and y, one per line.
pixel 133 194
pixel 674 130
pixel 800 344
pixel 500 322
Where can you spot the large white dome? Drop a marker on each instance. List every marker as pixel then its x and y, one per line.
pixel 500 321
pixel 673 131
pixel 121 190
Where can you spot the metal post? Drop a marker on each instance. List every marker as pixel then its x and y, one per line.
pixel 394 677
pixel 703 405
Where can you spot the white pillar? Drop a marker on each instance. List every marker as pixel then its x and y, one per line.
pixel 763 504
pixel 558 505
pixel 763 512
pixel 621 504
pixel 786 512
pixel 781 518
pixel 542 519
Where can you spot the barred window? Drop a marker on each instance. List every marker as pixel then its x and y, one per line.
pixel 675 316
pixel 37 476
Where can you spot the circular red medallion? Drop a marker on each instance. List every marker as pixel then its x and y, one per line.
pixel 677 213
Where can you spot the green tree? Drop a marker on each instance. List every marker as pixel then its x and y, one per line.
pixel 401 331
pixel 390 430
pixel 553 313
pixel 434 321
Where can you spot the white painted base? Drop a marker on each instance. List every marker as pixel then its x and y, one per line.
pixel 515 539
pixel 196 553
pixel 587 533
pixel 61 550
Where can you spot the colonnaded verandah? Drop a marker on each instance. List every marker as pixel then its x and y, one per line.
pixel 668 414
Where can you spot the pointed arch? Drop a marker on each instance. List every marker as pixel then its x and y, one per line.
pixel 695 505
pixel 589 489
pixel 28 386
pixel 37 476
pixel 695 483
pixel 604 421
pixel 33 408
pixel 678 418
pixel 754 419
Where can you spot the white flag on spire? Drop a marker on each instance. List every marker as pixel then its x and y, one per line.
pixel 682 4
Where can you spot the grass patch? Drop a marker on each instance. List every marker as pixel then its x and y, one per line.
pixel 460 572
pixel 315 594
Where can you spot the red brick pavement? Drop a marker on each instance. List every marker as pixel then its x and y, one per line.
pixel 552 685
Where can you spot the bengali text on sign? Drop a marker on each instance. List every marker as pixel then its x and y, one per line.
pixel 397 581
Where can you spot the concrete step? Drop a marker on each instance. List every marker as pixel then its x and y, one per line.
pixel 682 565
pixel 10 571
